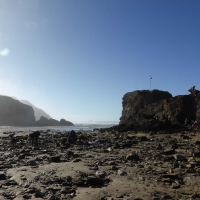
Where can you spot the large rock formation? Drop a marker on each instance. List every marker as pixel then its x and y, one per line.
pixel 15 113
pixel 143 106
pixel 63 122
pixel 43 121
pixel 37 111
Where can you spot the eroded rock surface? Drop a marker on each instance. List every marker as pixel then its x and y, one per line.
pixel 156 109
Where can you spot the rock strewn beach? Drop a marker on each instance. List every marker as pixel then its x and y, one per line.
pixel 128 166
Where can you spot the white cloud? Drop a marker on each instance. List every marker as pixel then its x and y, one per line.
pixel 5 52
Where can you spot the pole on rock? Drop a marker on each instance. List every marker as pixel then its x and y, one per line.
pixel 150 82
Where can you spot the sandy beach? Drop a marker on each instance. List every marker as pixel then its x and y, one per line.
pixel 128 166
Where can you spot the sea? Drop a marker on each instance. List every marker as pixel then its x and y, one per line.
pixel 78 126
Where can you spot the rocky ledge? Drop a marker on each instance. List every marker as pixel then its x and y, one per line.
pixel 105 166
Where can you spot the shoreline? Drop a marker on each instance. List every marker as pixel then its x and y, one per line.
pixel 124 166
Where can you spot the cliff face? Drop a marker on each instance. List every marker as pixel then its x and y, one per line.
pixel 15 113
pixel 144 105
pixel 37 111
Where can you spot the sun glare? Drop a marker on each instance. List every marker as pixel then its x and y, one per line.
pixel 5 52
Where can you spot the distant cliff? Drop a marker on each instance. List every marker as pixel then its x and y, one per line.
pixel 142 106
pixel 37 111
pixel 15 113
pixel 43 121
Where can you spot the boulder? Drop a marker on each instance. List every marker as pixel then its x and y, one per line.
pixel 55 158
pixel 2 176
pixel 132 156
pixel 93 180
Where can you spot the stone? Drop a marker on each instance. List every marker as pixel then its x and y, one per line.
pixel 101 174
pixel 93 180
pixel 169 151
pixel 55 158
pixel 11 182
pixel 175 185
pixel 32 162
pixel 2 176
pixel 171 176
pixel 132 156
pixel 179 157
pixel 22 156
pixel 77 160
pixel 114 168
pixel 121 173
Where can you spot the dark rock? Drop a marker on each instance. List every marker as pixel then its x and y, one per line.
pixel 186 137
pixel 22 156
pixel 32 162
pixel 11 182
pixel 137 104
pixel 39 194
pixel 63 122
pixel 55 158
pixel 76 160
pixel 15 113
pixel 93 180
pixel 5 166
pixel 132 156
pixel 37 111
pixel 101 174
pixel 78 181
pixel 114 168
pixel 171 176
pixel 197 154
pixel 197 142
pixel 2 176
pixel 141 107
pixel 143 138
pixel 121 173
pixel 179 157
pixel 169 151
pixel 43 121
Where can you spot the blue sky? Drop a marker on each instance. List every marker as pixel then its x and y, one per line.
pixel 75 59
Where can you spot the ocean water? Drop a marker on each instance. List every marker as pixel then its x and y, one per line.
pixel 77 126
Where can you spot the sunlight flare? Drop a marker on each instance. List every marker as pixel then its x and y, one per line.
pixel 5 52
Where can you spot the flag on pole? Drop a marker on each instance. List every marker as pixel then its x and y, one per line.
pixel 150 77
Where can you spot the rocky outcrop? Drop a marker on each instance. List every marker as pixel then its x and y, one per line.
pixel 15 113
pixel 63 122
pixel 37 111
pixel 143 106
pixel 43 121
